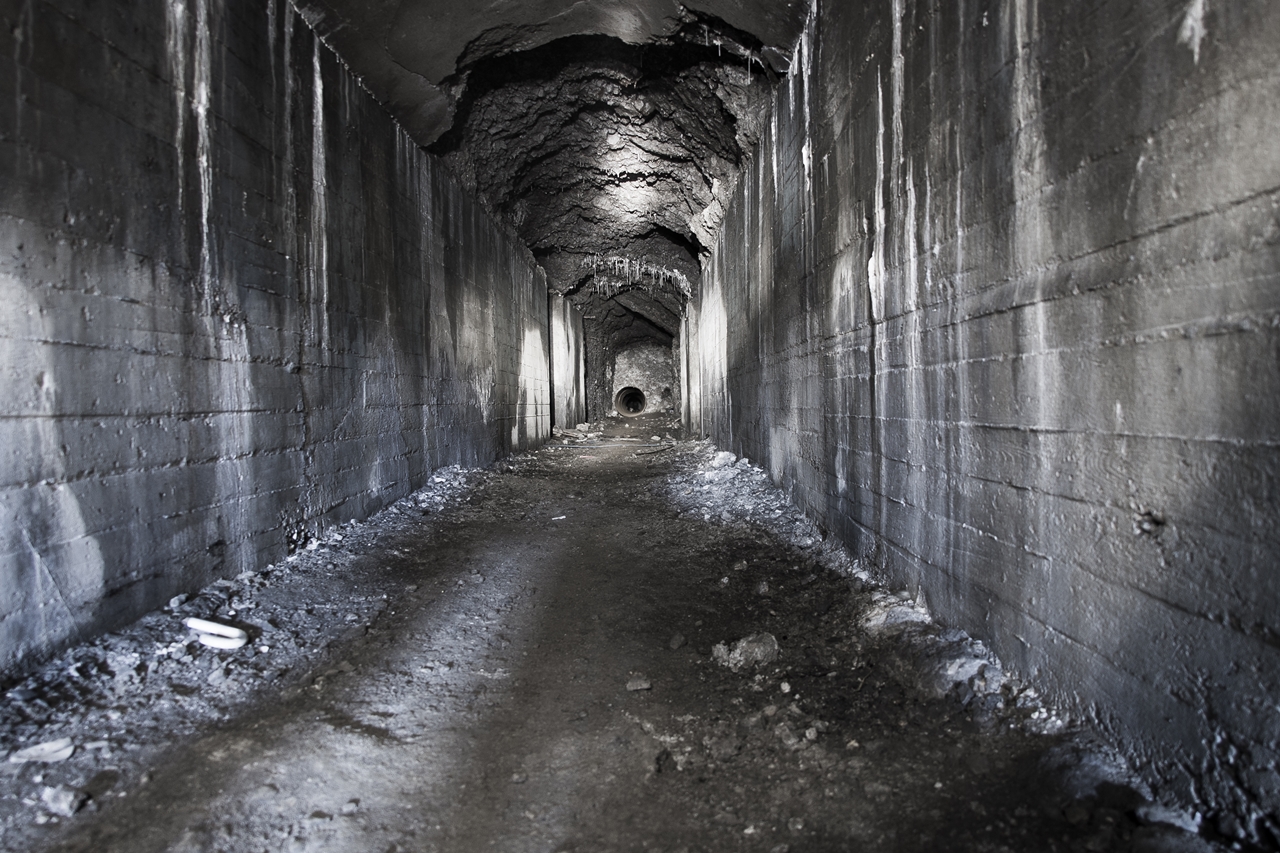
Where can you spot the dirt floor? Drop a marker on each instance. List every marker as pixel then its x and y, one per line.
pixel 622 642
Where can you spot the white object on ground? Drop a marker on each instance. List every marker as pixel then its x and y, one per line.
pixel 216 635
pixel 53 750
pixel 63 800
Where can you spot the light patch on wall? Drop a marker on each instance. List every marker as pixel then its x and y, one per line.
pixel 713 346
pixel 843 281
pixel 1033 236
pixel 875 263
pixel 535 383
pixel 482 385
pixel 66 568
pixel 319 205
pixel 175 32
pixel 1193 31
pixel 203 83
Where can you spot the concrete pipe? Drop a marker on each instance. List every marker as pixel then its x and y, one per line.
pixel 629 402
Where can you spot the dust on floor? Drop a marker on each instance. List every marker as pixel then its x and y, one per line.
pixel 620 642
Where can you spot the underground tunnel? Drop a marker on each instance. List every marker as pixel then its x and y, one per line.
pixel 706 425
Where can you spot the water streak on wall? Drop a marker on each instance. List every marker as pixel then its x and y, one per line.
pixel 234 321
pixel 998 301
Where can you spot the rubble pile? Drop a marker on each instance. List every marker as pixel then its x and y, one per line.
pixel 717 486
pixel 766 686
pixel 86 723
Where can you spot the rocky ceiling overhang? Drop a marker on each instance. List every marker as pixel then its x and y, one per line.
pixel 607 133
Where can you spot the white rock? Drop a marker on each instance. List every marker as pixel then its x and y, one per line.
pixel 62 800
pixel 53 750
pixel 1156 813
pixel 723 458
pixel 216 635
pixel 756 650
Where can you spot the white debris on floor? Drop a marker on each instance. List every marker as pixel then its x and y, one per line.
pixel 86 727
pixel 95 713
pixel 720 487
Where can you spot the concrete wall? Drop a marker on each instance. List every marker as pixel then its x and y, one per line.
pixel 567 363
pixel 240 306
pixel 646 366
pixel 998 300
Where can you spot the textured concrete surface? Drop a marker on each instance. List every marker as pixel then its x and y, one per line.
pixel 241 305
pixel 998 300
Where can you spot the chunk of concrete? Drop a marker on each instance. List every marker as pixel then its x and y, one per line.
pixel 755 650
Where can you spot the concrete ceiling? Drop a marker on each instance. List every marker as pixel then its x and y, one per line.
pixel 606 132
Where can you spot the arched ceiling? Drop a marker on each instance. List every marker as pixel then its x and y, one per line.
pixel 606 132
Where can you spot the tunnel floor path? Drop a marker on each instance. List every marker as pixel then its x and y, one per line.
pixel 541 675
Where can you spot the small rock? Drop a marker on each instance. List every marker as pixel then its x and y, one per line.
pixel 177 601
pixel 345 666
pixel 723 458
pixel 63 800
pixel 1152 813
pixel 740 565
pixel 755 650
pixel 787 735
pixel 1076 814
pixel 723 748
pixel 638 682
pixel 351 807
pixel 762 588
pixel 519 778
pixel 677 641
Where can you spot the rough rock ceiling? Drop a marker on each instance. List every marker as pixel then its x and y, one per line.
pixel 607 132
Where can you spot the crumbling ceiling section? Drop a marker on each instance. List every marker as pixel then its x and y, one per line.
pixel 607 133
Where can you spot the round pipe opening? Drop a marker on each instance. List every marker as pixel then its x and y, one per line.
pixel 629 402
